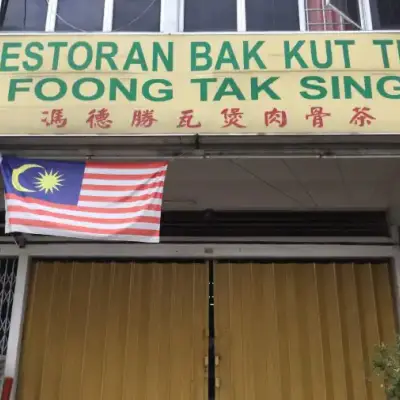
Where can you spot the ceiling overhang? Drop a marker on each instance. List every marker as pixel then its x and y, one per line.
pixel 231 146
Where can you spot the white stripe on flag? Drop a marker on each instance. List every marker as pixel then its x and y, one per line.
pixel 95 214
pixel 130 171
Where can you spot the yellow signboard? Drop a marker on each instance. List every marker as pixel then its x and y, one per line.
pixel 200 84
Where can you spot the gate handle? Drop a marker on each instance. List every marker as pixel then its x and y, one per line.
pixel 217 383
pixel 216 361
pixel 205 364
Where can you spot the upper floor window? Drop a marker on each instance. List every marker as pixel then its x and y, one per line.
pixel 80 15
pixel 332 15
pixel 197 15
pixel 210 15
pixel 116 15
pixel 234 15
pixel 272 15
pixel 136 15
pixel 146 15
pixel 385 14
pixel 23 15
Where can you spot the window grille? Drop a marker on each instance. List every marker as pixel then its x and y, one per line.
pixel 8 275
pixel 320 17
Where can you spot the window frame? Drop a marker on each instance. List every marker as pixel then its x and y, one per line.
pixel 241 24
pixel 47 16
pixel 364 9
pixel 166 16
pixel 51 19
pixel 172 16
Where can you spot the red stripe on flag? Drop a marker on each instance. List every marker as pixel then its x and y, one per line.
pixel 122 188
pixel 102 220
pixel 74 228
pixel 121 199
pixel 150 207
pixel 93 164
pixel 122 177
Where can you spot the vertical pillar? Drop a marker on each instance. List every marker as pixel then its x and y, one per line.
pixel 395 265
pixel 171 18
pixel 17 320
pixel 52 6
pixel 394 233
pixel 396 285
pixel 302 15
pixel 108 15
pixel 366 15
pixel 241 15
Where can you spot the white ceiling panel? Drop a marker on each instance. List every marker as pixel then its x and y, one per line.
pixel 284 184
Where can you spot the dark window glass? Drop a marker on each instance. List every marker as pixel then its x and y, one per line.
pixel 272 15
pixel 388 14
pixel 80 15
pixel 210 15
pixel 25 15
pixel 137 15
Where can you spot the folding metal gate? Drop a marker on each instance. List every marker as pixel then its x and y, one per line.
pixel 122 330
pixel 107 330
pixel 300 331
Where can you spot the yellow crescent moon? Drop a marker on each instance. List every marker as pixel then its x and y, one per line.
pixel 17 172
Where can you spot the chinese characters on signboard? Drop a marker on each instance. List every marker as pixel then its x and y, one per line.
pixel 203 84
pixel 231 117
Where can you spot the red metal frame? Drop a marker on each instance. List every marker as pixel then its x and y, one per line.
pixel 7 387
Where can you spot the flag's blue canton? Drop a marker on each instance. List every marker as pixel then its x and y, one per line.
pixel 25 178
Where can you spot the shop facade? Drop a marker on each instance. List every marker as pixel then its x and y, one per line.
pixel 278 269
pixel 138 325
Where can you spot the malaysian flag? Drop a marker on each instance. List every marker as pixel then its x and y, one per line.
pixel 89 200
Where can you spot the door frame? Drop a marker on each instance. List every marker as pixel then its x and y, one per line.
pixel 206 251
